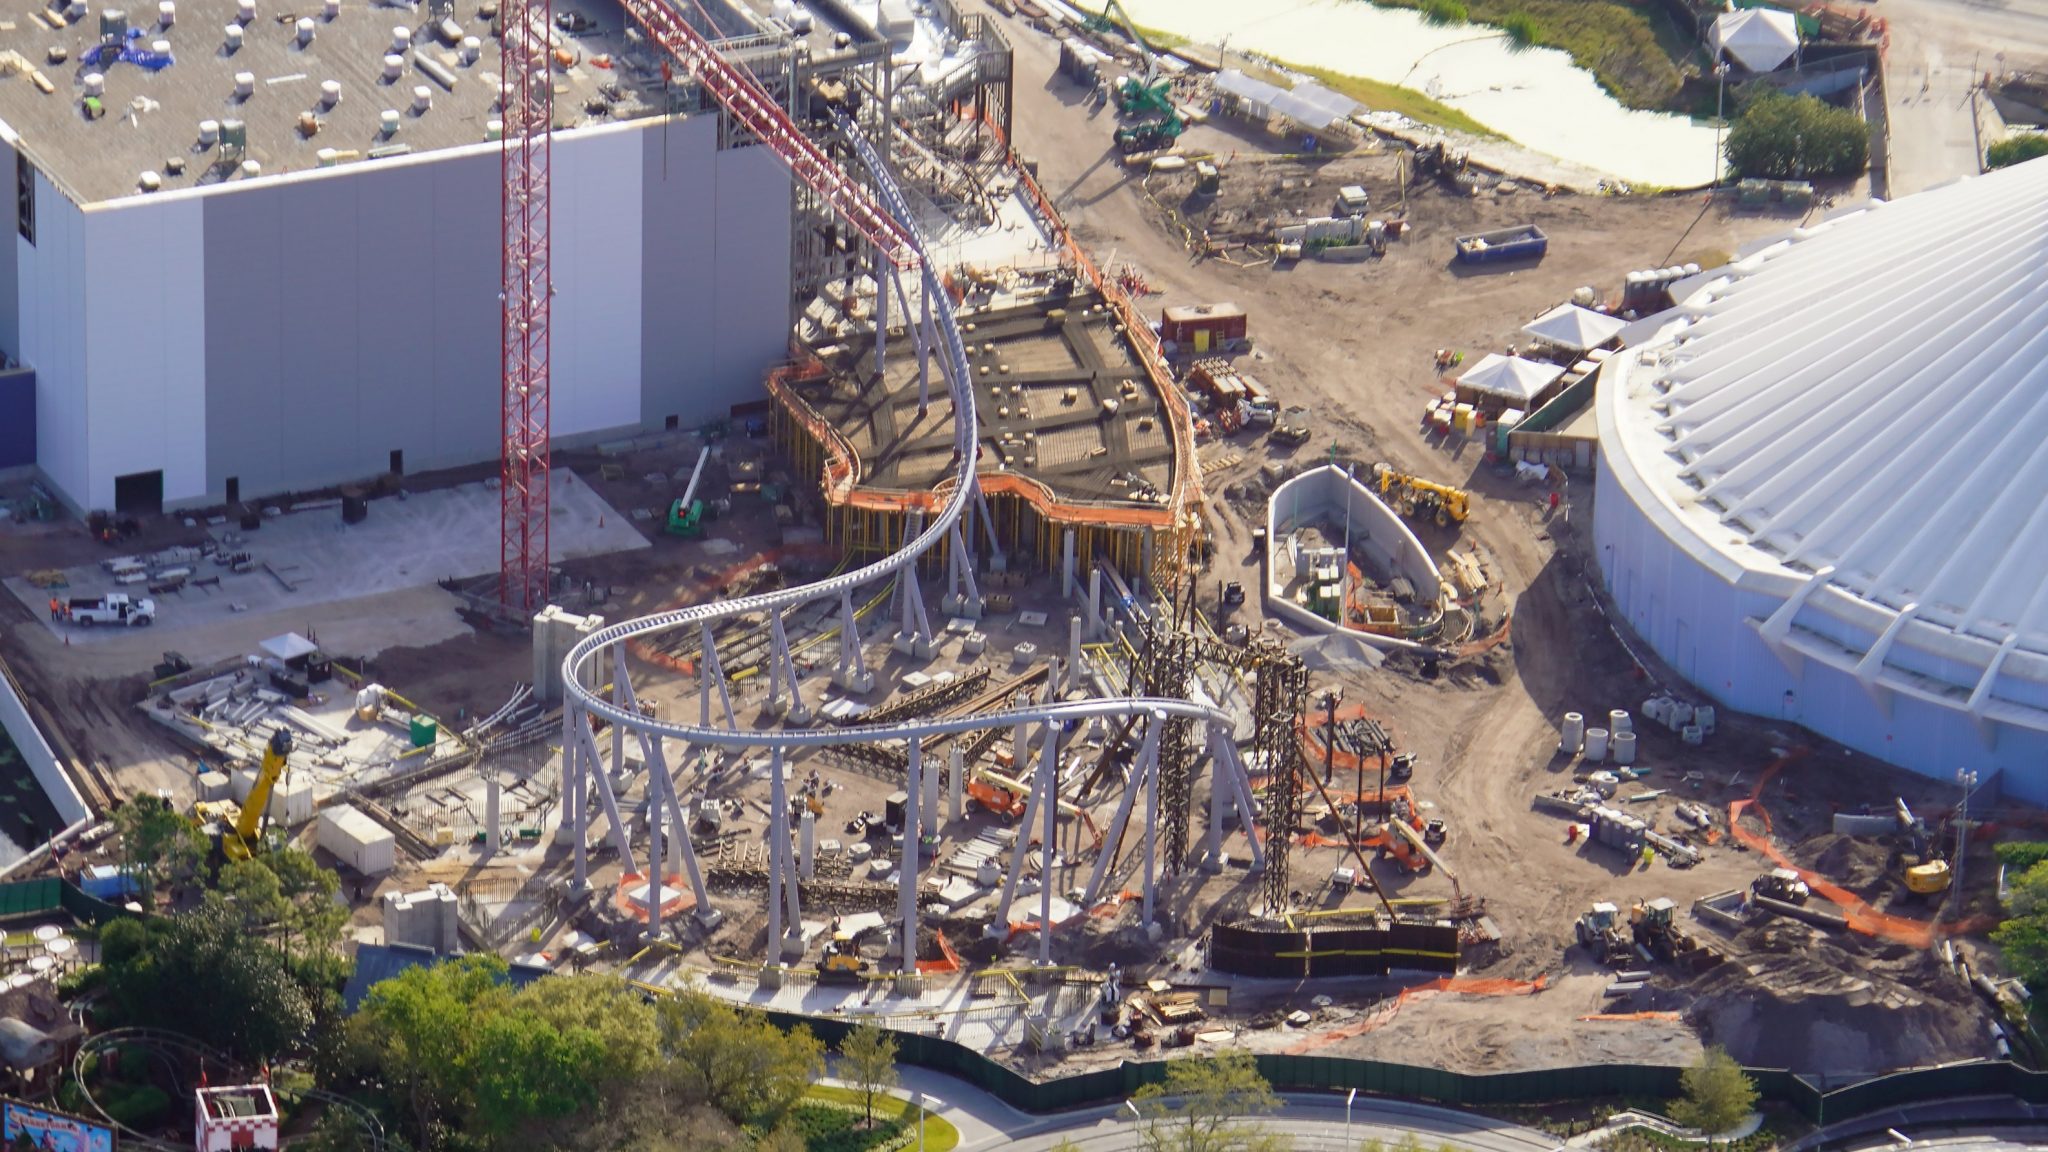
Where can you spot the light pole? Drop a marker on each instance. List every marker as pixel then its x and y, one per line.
pixel 1348 1101
pixel 917 1102
pixel 1968 780
pixel 1720 118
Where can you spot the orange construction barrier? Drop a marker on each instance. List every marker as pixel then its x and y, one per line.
pixel 1633 1016
pixel 1861 917
pixel 1453 985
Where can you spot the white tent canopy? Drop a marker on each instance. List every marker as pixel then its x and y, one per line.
pixel 1759 39
pixel 1570 326
pixel 1308 103
pixel 1511 377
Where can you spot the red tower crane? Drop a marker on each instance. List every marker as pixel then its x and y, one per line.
pixel 528 108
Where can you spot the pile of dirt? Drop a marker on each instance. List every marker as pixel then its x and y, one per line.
pixel 1816 1002
pixel 1861 866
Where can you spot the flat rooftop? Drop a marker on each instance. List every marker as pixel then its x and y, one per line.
pixel 1062 399
pixel 152 114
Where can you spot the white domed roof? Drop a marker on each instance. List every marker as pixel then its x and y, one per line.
pixel 1870 396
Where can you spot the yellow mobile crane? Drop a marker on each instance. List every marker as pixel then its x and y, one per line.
pixel 1415 498
pixel 240 825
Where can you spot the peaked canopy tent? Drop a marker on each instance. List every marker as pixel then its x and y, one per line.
pixel 1308 104
pixel 1573 327
pixel 1759 39
pixel 1510 378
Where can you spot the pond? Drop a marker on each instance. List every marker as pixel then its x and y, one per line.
pixel 1535 97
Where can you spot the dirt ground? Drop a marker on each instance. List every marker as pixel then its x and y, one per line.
pixel 1354 343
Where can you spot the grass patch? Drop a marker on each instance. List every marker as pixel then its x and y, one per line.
pixel 829 1118
pixel 1392 98
pixel 1619 44
pixel 1521 29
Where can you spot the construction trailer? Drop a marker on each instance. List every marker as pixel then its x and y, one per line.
pixel 357 841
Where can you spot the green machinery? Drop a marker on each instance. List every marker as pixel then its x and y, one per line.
pixel 1145 101
pixel 686 514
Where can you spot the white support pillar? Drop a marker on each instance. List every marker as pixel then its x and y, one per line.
pixel 956 779
pixel 1094 602
pixel 782 881
pixel 915 637
pixel 853 675
pixel 493 804
pixel 609 799
pixel 782 675
pixel 807 845
pixel 1073 652
pixel 931 797
pixel 1067 584
pixel 906 894
pixel 997 561
pixel 680 848
pixel 1143 768
pixel 1240 782
pixel 656 813
pixel 711 675
pixel 999 925
pixel 1220 802
pixel 573 826
pixel 963 598
pixel 1048 850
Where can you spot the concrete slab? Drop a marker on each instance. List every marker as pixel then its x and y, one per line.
pixel 311 557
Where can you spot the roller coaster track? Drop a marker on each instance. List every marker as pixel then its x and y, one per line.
pixel 896 234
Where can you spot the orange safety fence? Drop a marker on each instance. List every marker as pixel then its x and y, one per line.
pixel 950 961
pixel 1452 985
pixel 1856 911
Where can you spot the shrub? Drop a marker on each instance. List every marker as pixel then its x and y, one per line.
pixel 1521 29
pixel 1782 137
pixel 2017 150
pixel 140 1107
pixel 1444 11
pixel 2020 855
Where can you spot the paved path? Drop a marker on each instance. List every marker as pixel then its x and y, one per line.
pixel 1315 1121
pixel 1940 50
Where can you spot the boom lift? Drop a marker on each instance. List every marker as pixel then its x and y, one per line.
pixel 1416 498
pixel 1147 100
pixel 241 825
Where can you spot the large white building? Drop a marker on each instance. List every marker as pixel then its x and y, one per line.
pixel 321 304
pixel 1823 487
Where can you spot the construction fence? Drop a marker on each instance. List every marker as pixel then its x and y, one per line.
pixel 1289 1073
pixel 20 899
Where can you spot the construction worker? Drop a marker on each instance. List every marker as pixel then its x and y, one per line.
pixel 56 609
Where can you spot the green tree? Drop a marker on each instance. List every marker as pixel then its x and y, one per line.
pixel 158 844
pixel 867 1059
pixel 196 974
pixel 1203 1106
pixel 1783 137
pixel 525 1070
pixel 2016 150
pixel 2027 893
pixel 736 1062
pixel 417 1033
pixel 1718 1093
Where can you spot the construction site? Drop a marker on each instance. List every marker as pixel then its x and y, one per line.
pixel 1049 655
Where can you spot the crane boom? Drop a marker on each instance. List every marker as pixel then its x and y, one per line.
pixel 1122 19
pixel 246 825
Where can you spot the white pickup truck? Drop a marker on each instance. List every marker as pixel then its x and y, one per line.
pixel 113 608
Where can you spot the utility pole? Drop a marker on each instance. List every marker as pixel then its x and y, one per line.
pixel 1720 120
pixel 1968 780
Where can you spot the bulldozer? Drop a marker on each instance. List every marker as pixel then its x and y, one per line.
pixel 1419 499
pixel 1600 932
pixel 1654 928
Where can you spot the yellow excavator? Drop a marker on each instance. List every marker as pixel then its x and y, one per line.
pixel 1416 498
pixel 241 825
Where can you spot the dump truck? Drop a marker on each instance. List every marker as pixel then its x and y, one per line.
pixel 113 608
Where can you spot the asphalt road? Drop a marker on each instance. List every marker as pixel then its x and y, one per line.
pixel 1316 1122
pixel 1940 50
